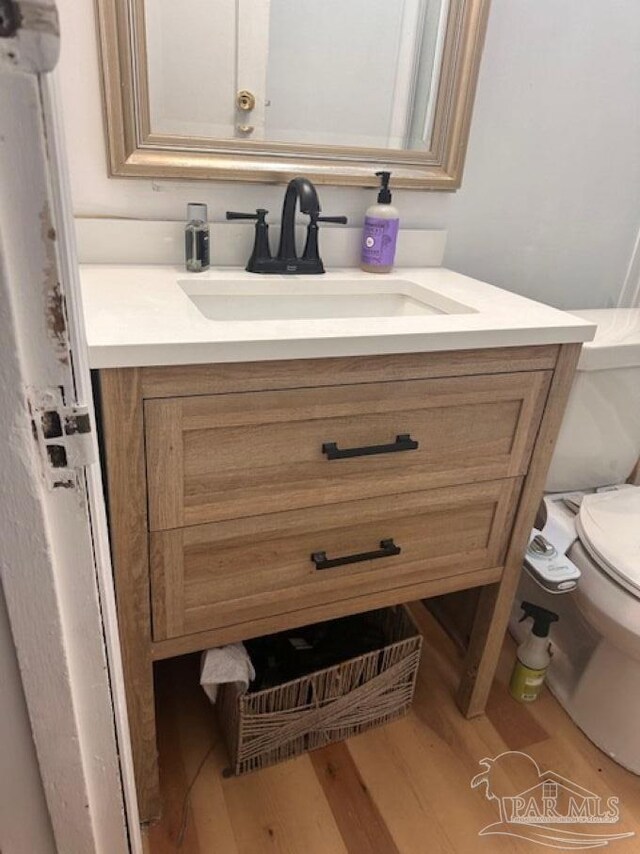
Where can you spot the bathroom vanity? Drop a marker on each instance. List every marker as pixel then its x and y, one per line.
pixel 266 472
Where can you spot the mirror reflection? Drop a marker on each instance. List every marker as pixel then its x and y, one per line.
pixel 355 73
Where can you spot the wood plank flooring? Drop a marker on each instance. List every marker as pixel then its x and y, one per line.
pixel 401 789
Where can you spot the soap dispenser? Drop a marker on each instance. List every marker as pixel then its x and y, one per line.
pixel 380 232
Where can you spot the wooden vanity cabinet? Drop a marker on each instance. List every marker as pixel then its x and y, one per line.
pixel 249 498
pixel 225 456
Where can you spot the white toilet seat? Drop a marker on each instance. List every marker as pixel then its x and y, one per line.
pixel 608 525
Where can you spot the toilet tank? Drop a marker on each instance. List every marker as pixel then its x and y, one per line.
pixel 599 441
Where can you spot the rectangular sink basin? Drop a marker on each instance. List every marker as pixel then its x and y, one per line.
pixel 306 298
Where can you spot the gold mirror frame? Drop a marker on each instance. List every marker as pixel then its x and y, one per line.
pixel 134 151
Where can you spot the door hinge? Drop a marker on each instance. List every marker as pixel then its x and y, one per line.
pixel 64 435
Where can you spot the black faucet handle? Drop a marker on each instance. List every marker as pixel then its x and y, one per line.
pixel 341 220
pixel 260 259
pixel 311 252
pixel 259 215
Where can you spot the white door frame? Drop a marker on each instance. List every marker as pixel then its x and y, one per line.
pixel 413 14
pixel 54 555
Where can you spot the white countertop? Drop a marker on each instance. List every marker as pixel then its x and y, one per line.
pixel 138 315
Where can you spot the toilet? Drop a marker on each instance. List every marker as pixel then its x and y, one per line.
pixel 594 517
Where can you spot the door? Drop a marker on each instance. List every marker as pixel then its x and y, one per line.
pixel 53 544
pixel 204 98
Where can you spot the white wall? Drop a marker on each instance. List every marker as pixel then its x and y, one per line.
pixel 550 203
pixel 24 819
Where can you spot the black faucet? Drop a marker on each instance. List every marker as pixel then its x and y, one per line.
pixel 298 190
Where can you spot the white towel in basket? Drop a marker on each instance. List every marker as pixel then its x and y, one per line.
pixel 225 664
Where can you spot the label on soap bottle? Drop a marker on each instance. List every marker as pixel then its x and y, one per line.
pixel 379 238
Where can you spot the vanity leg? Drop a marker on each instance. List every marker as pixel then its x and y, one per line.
pixel 123 437
pixel 494 606
pixel 481 660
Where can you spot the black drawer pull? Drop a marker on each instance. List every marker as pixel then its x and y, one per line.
pixel 403 442
pixel 387 549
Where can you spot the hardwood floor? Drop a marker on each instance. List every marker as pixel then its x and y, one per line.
pixel 401 789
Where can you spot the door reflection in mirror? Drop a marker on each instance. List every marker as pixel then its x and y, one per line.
pixel 358 73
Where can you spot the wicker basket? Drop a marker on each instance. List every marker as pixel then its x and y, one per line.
pixel 278 723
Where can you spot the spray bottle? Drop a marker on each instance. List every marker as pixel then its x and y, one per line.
pixel 534 655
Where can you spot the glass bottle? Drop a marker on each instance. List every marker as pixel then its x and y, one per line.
pixel 196 238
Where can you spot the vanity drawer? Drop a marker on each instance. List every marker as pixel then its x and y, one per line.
pixel 233 572
pixel 216 457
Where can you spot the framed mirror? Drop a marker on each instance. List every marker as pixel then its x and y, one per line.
pixel 262 90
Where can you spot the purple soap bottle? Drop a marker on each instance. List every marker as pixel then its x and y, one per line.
pixel 380 232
